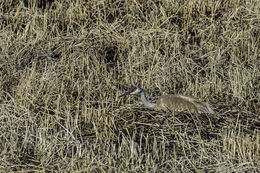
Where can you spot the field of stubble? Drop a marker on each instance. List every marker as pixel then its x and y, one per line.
pixel 63 66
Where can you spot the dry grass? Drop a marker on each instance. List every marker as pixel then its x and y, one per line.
pixel 63 65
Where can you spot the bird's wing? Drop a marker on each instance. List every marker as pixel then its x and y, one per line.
pixel 176 103
pixel 201 106
pixel 183 103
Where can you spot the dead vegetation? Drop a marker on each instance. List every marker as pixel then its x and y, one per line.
pixel 63 66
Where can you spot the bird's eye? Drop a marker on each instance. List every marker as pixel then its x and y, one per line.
pixel 133 89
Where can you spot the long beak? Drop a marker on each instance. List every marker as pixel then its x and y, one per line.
pixel 127 93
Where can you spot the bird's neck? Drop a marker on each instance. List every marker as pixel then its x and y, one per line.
pixel 146 102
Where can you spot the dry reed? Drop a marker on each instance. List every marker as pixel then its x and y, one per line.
pixel 63 65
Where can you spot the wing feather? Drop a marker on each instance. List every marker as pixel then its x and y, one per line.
pixel 179 103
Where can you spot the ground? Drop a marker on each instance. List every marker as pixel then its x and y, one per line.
pixel 64 64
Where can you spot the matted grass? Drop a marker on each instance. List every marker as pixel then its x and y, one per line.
pixel 63 66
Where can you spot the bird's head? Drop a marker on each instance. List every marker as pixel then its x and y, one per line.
pixel 137 90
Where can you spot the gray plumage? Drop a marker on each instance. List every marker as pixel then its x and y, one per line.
pixel 174 103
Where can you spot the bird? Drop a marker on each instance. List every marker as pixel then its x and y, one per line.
pixel 173 103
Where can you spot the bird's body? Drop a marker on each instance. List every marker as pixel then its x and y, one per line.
pixel 174 103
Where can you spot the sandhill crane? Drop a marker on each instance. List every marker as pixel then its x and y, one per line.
pixel 174 103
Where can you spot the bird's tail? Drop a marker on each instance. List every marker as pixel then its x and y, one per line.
pixel 204 108
pixel 201 106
